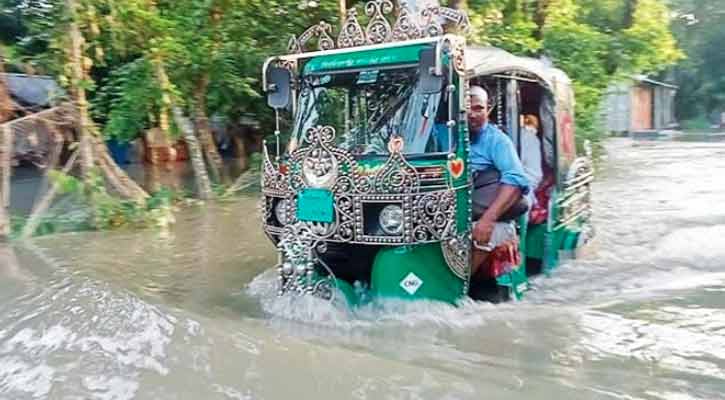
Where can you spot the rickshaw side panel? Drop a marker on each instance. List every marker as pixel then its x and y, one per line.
pixel 414 273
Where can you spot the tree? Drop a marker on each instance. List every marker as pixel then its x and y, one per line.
pixel 700 30
pixel 5 114
pixel 594 41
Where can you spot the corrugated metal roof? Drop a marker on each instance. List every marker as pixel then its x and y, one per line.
pixel 32 90
pixel 645 79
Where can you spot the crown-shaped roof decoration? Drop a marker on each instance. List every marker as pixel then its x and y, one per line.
pixel 410 23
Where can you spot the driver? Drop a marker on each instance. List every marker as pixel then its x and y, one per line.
pixel 499 181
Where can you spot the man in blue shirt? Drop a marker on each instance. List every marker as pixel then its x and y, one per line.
pixel 492 149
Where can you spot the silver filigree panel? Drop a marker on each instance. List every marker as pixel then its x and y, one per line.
pixel 379 29
pixel 322 31
pixel 428 215
pixel 456 252
pixel 408 25
pixel 351 33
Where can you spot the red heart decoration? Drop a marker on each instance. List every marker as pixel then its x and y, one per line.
pixel 456 168
pixel 395 145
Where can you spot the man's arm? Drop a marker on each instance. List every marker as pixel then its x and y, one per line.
pixel 506 196
pixel 514 184
pixel 507 161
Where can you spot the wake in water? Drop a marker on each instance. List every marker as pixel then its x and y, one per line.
pixel 383 313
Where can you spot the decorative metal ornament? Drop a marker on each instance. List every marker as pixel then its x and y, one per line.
pixel 395 145
pixel 294 46
pixel 321 31
pixel 293 145
pixel 499 103
pixel 396 175
pixel 273 181
pixel 297 270
pixel 351 34
pixel 456 252
pixel 575 198
pixel 379 29
pixel 459 56
pixel 324 40
pixel 288 64
pixel 406 27
pixel 435 215
pixel 319 169
pixel 436 16
pixel 428 214
pixel 431 27
pixel 456 167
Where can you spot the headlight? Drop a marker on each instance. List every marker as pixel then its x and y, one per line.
pixel 319 169
pixel 391 220
pixel 283 212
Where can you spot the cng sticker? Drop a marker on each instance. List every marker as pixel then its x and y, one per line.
pixel 411 283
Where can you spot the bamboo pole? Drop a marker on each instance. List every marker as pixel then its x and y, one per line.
pixel 197 158
pixel 88 135
pixel 4 224
pixel 42 206
pixel 117 177
pixel 79 69
pixel 6 110
pixel 6 168
pixel 343 11
pixel 6 151
pixel 216 165
pixel 209 145
pixel 57 141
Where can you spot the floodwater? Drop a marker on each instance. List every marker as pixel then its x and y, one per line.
pixel 190 313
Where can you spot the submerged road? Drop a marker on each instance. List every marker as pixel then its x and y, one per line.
pixel 190 313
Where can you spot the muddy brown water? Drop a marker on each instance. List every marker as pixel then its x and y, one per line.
pixel 190 312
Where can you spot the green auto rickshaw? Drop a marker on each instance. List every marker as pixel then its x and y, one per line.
pixel 367 195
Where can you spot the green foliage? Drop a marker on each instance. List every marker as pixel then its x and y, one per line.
pixel 581 51
pixel 700 30
pixel 505 24
pixel 213 49
pixel 594 41
pixel 101 210
pixel 129 99
pixel 648 45
pixel 699 123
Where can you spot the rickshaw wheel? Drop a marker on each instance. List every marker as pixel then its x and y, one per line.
pixel 489 291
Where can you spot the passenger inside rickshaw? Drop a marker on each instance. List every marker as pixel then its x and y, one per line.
pixel 537 154
pixel 535 146
pixel 499 187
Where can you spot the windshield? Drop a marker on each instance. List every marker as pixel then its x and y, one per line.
pixel 368 107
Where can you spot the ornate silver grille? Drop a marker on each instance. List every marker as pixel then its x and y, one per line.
pixel 409 24
pixel 428 215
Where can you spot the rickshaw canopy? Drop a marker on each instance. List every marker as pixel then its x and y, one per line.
pixel 490 60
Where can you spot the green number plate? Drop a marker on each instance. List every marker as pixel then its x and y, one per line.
pixel 315 205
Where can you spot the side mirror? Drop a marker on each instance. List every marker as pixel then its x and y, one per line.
pixel 278 87
pixel 429 82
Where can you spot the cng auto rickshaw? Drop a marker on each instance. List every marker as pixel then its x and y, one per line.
pixel 370 196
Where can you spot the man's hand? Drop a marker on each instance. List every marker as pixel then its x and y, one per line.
pixel 482 232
